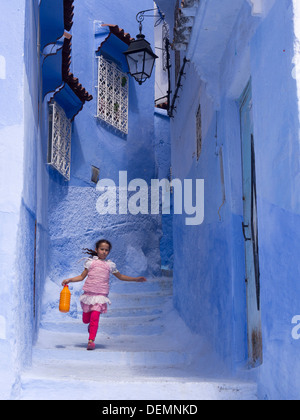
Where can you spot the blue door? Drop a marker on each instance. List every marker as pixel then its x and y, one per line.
pixel 250 230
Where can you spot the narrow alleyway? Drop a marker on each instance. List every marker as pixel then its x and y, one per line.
pixel 144 352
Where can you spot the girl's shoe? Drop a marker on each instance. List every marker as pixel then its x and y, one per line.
pixel 91 345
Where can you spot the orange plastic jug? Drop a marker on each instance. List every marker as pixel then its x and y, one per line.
pixel 65 300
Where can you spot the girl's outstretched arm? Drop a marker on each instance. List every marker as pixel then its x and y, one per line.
pixel 127 278
pixel 76 279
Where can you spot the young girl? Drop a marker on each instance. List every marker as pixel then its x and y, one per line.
pixel 96 288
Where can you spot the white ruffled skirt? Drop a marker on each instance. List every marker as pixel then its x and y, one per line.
pixel 92 302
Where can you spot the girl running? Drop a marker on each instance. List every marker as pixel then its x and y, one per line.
pixel 94 300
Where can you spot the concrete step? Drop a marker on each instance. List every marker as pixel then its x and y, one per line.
pixel 112 358
pixel 135 312
pixel 123 305
pixel 125 368
pixel 131 350
pixel 139 300
pixel 135 325
pixel 163 284
pixel 132 387
pixel 144 351
pixel 113 312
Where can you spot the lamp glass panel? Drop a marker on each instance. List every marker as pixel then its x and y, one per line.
pixel 136 62
pixel 149 63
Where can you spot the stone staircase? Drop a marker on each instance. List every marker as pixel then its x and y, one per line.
pixel 144 351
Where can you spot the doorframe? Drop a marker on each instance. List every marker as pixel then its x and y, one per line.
pixel 255 351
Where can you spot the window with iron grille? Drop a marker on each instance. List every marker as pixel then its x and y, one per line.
pixel 199 132
pixel 59 145
pixel 112 95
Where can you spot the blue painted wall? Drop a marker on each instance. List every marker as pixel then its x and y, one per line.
pixel 24 181
pixel 209 268
pixel 12 143
pixel 203 260
pixel 279 205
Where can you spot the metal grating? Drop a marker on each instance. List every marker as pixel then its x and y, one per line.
pixel 60 133
pixel 112 95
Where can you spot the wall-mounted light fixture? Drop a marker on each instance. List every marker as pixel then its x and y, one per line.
pixel 140 57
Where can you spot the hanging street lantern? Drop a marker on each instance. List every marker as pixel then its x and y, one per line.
pixel 140 57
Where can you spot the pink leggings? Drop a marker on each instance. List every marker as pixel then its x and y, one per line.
pixel 91 318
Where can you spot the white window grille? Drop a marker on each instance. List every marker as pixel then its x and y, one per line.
pixel 112 95
pixel 59 147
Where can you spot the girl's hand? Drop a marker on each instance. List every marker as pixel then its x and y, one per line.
pixel 65 282
pixel 141 279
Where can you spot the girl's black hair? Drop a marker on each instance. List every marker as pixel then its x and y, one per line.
pixel 98 244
